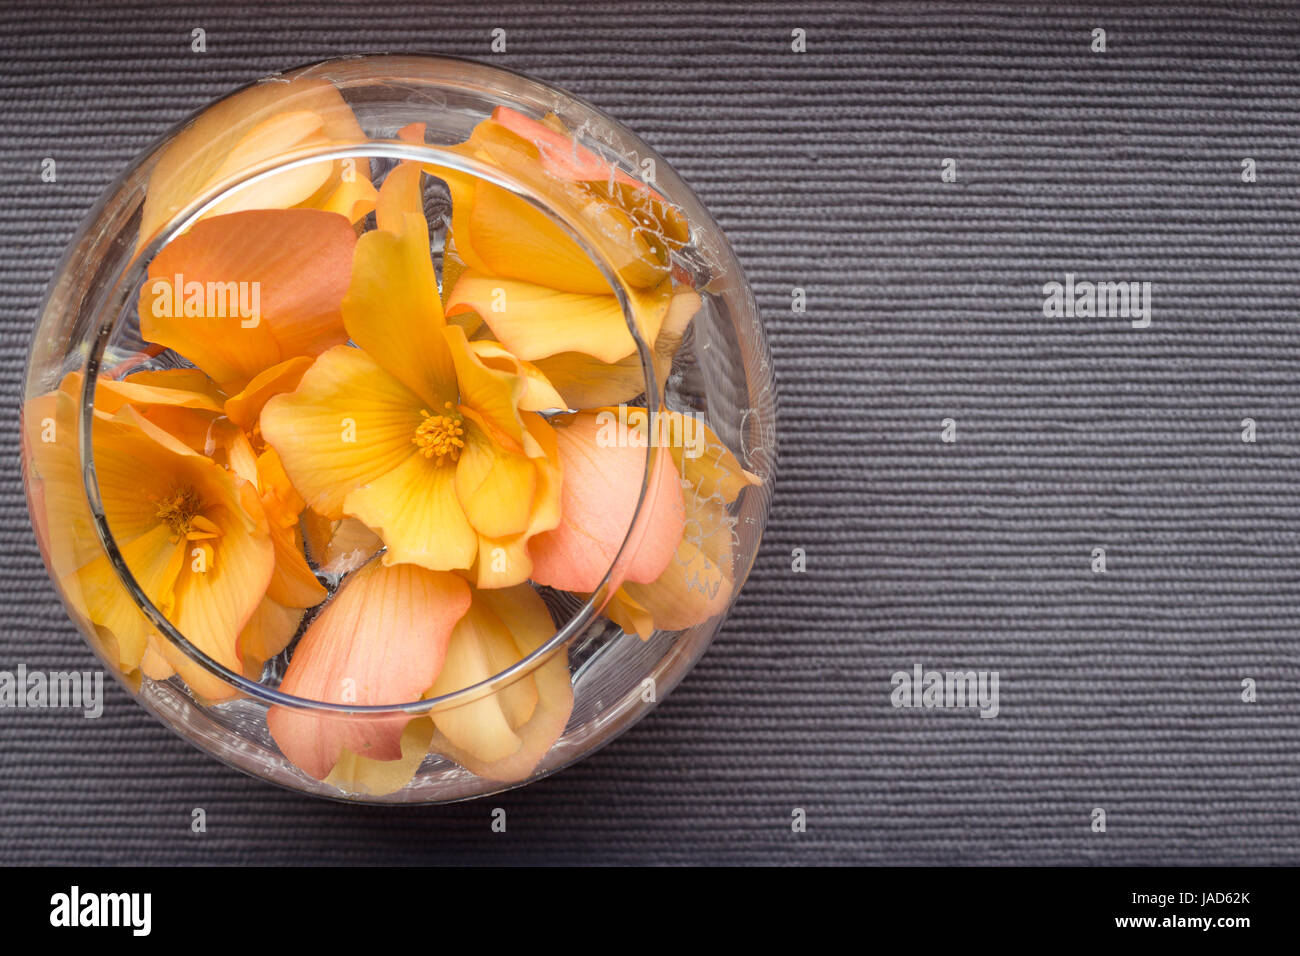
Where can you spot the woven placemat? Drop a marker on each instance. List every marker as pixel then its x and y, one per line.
pixel 1119 690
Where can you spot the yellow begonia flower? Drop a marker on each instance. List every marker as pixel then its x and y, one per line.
pixel 187 406
pixel 193 534
pixel 541 295
pixel 414 432
pixel 256 125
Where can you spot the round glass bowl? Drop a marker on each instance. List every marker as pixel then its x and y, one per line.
pixel 399 429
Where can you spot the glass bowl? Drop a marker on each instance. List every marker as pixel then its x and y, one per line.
pixel 444 464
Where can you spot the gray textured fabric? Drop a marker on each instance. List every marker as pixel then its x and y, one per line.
pixel 1119 690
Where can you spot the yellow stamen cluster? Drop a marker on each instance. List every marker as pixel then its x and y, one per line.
pixel 440 437
pixel 178 510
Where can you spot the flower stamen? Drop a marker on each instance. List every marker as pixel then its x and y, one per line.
pixel 440 437
pixel 178 510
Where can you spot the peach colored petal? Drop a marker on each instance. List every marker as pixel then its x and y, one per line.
pixel 381 640
pixel 240 293
pixel 601 487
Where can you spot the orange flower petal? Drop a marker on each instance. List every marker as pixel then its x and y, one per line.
pixel 243 407
pixel 602 484
pixel 239 293
pixel 223 570
pixel 266 634
pixel 536 321
pixel 381 640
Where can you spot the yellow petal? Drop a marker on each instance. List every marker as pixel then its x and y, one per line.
pixel 495 486
pixel 489 390
pixel 586 382
pixel 349 191
pixel 539 394
pixel 629 615
pixel 505 562
pixel 497 232
pixel 347 424
pixel 693 588
pixel 376 778
pixel 535 321
pixel 155 560
pixel 636 251
pixel 273 137
pixel 392 309
pixel 550 694
pixel 190 165
pixel 481 646
pixel 414 508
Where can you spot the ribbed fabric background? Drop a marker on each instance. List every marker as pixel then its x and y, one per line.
pixel 924 302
